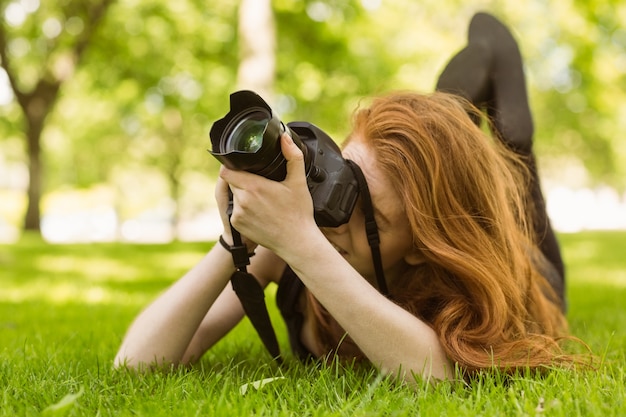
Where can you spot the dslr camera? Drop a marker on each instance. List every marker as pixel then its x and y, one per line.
pixel 248 138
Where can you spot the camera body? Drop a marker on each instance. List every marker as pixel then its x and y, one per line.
pixel 248 138
pixel 331 182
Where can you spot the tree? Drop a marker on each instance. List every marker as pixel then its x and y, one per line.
pixel 172 72
pixel 257 46
pixel 52 49
pixel 582 64
pixel 137 91
pixel 142 97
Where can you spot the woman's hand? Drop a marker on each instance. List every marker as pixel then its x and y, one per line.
pixel 268 212
pixel 221 196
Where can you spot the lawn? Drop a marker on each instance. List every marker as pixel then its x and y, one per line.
pixel 65 308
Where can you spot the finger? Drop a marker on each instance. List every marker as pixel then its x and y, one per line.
pixel 294 156
pixel 236 178
pixel 223 174
pixel 221 188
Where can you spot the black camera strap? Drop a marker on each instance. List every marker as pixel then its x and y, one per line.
pixel 371 228
pixel 250 292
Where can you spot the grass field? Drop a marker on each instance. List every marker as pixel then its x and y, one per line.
pixel 65 308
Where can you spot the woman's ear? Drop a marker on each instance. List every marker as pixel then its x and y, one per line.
pixel 414 257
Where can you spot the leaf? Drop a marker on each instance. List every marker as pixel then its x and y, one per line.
pixel 257 385
pixel 64 404
pixel 540 406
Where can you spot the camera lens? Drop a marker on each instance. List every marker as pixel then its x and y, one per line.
pixel 248 138
pixel 247 135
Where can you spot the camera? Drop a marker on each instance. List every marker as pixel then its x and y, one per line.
pixel 248 138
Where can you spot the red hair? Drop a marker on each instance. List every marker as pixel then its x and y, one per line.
pixel 464 194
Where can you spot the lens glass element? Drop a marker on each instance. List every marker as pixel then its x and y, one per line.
pixel 247 136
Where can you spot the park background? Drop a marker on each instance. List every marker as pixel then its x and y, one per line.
pixel 106 187
pixel 105 106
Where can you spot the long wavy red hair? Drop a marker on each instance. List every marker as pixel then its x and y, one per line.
pixel 465 198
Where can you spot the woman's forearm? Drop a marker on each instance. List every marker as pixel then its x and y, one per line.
pixel 393 339
pixel 162 332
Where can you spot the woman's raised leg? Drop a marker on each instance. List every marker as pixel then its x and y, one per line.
pixel 489 73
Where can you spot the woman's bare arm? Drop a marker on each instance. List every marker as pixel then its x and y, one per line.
pixel 161 333
pixel 392 339
pixel 193 314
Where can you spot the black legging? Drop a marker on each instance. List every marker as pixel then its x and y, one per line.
pixel 489 73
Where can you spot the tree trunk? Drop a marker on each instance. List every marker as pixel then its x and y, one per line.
pixel 32 221
pixel 257 46
pixel 36 106
pixel 175 187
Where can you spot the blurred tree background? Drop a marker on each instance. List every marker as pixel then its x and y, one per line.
pixel 105 106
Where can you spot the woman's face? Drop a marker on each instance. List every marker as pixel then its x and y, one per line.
pixel 350 239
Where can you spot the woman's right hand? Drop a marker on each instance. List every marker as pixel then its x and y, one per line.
pixel 222 198
pixel 276 214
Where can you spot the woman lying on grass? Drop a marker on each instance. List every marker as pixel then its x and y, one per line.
pixel 473 268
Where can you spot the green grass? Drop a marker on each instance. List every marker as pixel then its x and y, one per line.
pixel 65 308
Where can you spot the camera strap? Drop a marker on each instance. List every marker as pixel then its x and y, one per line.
pixel 250 292
pixel 371 228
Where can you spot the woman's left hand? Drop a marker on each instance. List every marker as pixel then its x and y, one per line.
pixel 268 212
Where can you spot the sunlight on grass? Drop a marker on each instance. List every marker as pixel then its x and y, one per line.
pixel 92 269
pixel 92 274
pixel 64 292
pixel 595 258
pixel 592 275
pixel 97 269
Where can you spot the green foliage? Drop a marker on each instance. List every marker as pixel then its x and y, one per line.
pixel 153 79
pixel 65 308
pixel 150 83
pixel 578 74
pixel 327 60
pixel 157 74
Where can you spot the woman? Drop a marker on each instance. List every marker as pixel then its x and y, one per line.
pixel 474 273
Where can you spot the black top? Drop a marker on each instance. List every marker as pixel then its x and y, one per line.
pixel 288 300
